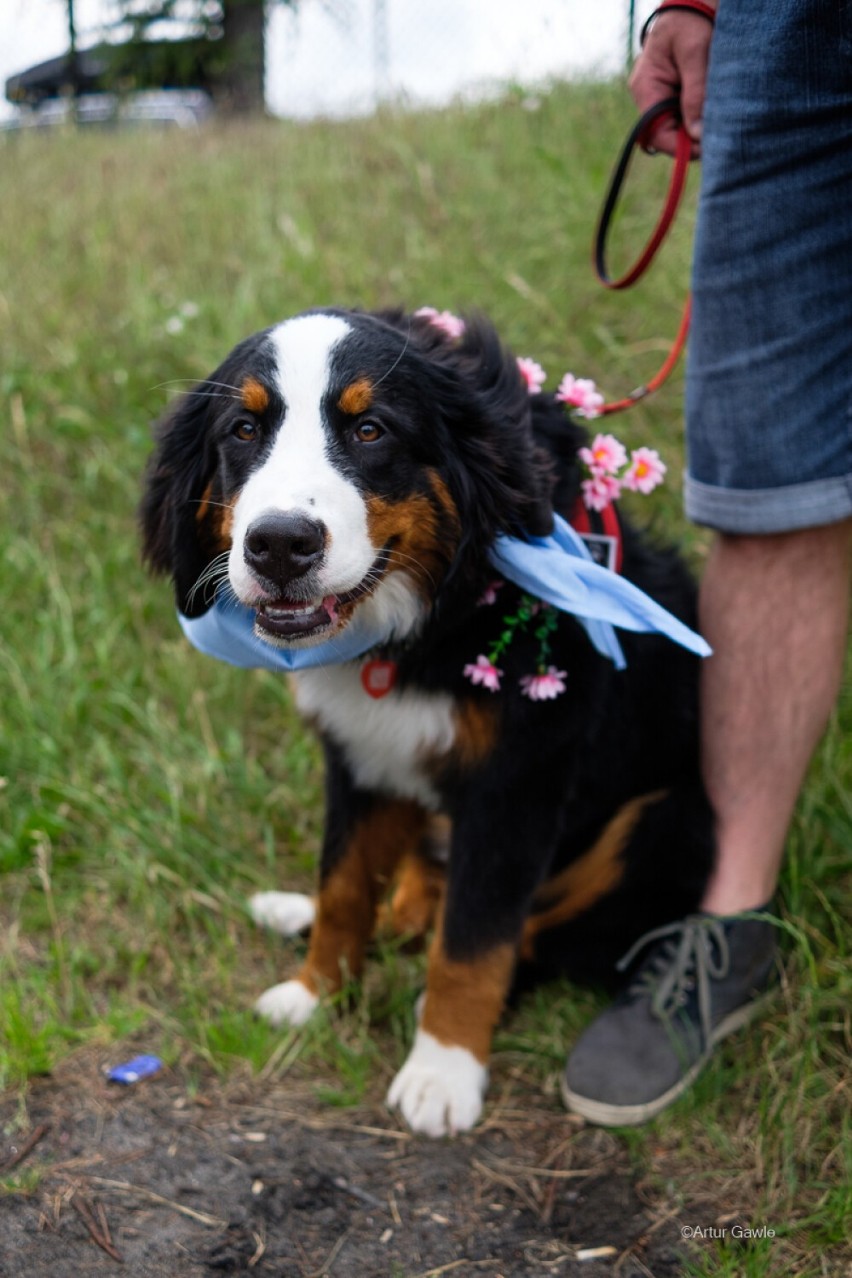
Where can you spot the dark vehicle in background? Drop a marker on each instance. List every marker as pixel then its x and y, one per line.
pixel 163 83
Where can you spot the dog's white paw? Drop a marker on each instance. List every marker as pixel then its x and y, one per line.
pixel 290 1003
pixel 439 1089
pixel 286 912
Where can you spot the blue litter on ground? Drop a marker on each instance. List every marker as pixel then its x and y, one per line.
pixel 132 1071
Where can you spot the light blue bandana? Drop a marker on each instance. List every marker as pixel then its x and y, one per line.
pixel 556 569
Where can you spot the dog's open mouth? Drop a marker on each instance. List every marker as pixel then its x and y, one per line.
pixel 289 620
pixel 295 619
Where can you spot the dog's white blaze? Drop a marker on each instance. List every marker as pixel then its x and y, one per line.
pixel 286 912
pixel 439 1088
pixel 298 475
pixel 290 1003
pixel 385 742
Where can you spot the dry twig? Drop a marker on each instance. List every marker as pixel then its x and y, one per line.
pixel 124 1187
pixel 28 1146
pixel 96 1225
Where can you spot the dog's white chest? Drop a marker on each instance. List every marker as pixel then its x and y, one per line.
pixel 387 743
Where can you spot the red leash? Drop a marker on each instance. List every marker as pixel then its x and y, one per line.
pixel 640 132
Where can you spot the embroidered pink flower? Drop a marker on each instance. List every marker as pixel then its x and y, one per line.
pixel 580 393
pixel 600 490
pixel 484 673
pixel 532 373
pixel 645 472
pixel 449 324
pixel 605 457
pixel 544 687
pixel 489 594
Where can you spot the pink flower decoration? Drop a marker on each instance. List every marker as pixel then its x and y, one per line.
pixel 544 687
pixel 532 373
pixel 489 594
pixel 580 393
pixel 605 457
pixel 600 490
pixel 645 472
pixel 484 673
pixel 449 324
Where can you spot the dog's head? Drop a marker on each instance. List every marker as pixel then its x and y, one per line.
pixel 344 461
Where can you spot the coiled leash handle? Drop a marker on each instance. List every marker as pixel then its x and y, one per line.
pixel 638 135
pixel 641 131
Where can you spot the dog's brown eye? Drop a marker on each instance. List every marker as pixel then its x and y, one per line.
pixel 368 432
pixel 245 430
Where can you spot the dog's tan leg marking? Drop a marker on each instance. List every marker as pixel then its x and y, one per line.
pixel 583 882
pixel 441 1086
pixel 416 897
pixel 464 999
pixel 349 897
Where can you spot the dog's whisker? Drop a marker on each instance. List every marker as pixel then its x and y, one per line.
pixel 215 572
pixel 413 565
pixel 177 381
pixel 210 395
pixel 208 501
pixel 399 357
pixel 212 570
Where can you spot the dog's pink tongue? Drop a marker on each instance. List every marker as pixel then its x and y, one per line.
pixel 330 605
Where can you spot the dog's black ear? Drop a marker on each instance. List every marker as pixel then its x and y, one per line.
pixel 538 520
pixel 180 537
pixel 486 406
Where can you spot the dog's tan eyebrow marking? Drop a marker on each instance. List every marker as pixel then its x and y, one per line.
pixel 254 396
pixel 356 397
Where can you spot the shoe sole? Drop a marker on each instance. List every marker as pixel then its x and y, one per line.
pixel 604 1115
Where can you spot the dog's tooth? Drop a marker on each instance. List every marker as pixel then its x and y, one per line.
pixel 305 611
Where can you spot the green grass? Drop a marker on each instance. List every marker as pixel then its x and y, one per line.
pixel 146 791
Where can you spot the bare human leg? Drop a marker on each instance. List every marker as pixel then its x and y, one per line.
pixel 775 610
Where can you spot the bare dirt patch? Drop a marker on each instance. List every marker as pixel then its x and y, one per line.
pixel 154 1180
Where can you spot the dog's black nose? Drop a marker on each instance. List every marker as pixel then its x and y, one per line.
pixel 281 547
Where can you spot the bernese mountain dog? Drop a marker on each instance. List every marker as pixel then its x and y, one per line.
pixel 349 468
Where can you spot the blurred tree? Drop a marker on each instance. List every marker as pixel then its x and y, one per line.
pixel 220 48
pixel 227 36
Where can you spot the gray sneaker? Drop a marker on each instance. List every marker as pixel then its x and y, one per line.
pixel 704 978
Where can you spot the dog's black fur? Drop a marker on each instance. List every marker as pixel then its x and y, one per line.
pixel 548 778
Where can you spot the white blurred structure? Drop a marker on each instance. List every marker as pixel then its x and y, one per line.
pixel 343 57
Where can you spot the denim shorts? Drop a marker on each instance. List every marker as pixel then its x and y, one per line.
pixel 769 368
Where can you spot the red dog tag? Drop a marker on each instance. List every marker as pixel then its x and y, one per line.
pixel 378 677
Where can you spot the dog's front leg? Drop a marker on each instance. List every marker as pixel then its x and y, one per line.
pixel 499 851
pixel 365 837
pixel 441 1086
